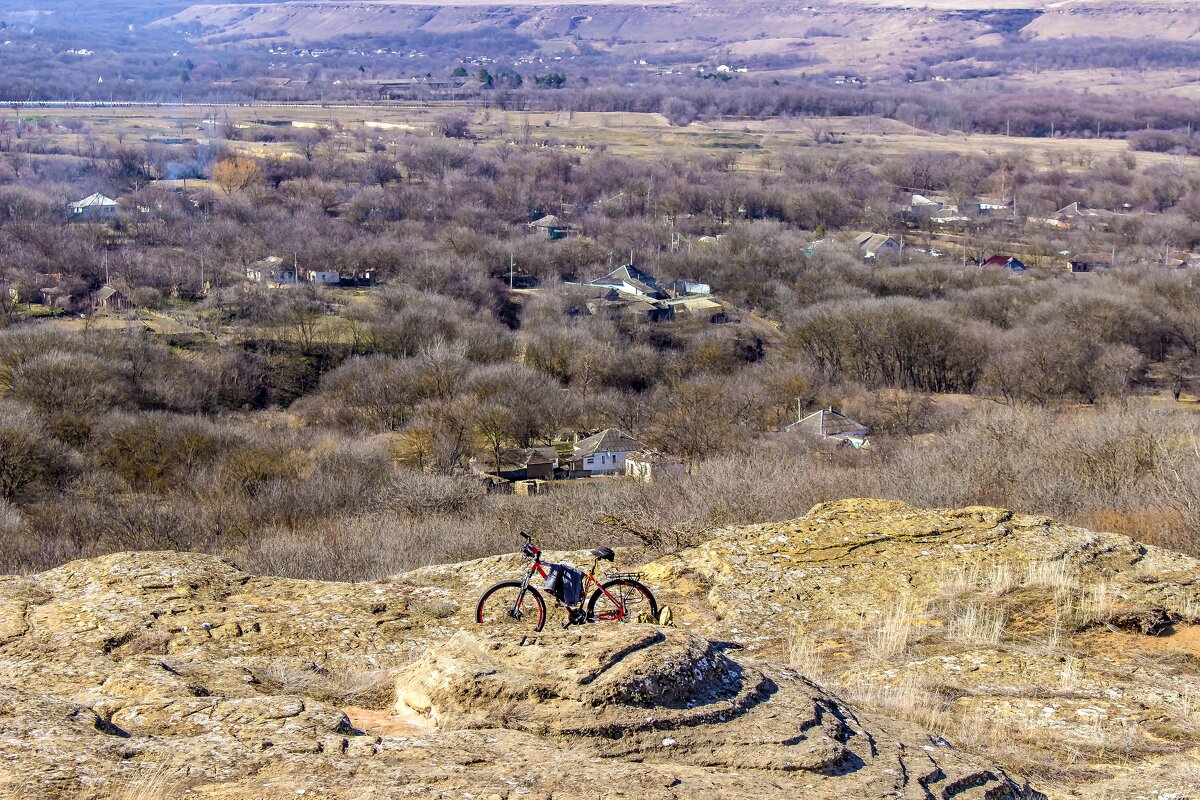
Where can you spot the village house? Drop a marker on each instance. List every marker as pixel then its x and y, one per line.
pixel 109 298
pixel 358 278
pixel 629 279
pixel 869 245
pixel 830 425
pixel 520 464
pixel 603 453
pixel 1077 215
pixel 941 209
pixel 924 207
pixel 630 291
pixel 95 207
pixel 1010 263
pixel 323 277
pixel 994 206
pixel 551 227
pixel 876 245
pixel 614 303
pixel 272 272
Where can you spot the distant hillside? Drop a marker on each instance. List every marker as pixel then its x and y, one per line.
pixel 869 37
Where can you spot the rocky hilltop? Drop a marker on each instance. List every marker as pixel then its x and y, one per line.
pixel 868 649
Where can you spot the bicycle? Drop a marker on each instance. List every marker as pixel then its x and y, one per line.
pixel 622 597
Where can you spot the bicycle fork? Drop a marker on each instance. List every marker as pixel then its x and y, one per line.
pixel 515 611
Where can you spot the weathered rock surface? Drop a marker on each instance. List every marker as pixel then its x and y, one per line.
pixel 665 697
pixel 167 675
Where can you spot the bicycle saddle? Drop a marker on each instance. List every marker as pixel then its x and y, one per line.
pixel 603 553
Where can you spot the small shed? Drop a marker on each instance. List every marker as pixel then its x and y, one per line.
pixel 521 464
pixel 649 466
pixel 1088 262
pixel 682 288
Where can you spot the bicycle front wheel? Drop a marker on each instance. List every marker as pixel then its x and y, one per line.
pixel 623 600
pixel 507 606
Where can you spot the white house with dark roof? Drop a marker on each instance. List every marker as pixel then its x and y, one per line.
pixel 603 453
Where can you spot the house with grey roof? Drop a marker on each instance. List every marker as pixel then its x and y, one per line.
pixel 829 424
pixel 92 208
pixel 551 227
pixel 603 453
pixel 874 245
pixel 109 298
pixel 520 464
pixel 631 280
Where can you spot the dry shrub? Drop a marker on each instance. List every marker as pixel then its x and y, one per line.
pixel 421 495
pixel 1157 525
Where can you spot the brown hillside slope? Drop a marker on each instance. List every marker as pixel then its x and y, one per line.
pixel 172 675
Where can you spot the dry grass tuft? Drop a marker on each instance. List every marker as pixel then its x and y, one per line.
pixel 1054 574
pixel 370 686
pixel 160 783
pixel 1097 604
pixel 895 630
pixel 804 656
pixel 977 625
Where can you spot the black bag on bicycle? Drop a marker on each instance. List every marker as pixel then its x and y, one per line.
pixel 565 583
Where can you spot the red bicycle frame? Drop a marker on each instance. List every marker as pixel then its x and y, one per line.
pixel 589 579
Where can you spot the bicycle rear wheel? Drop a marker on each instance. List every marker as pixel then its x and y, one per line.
pixel 506 606
pixel 623 600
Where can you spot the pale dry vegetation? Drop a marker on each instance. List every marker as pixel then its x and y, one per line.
pixel 885 668
pixel 368 685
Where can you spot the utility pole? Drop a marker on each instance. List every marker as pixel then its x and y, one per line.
pixel 511 264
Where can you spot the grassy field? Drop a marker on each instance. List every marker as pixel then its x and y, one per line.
pixel 754 144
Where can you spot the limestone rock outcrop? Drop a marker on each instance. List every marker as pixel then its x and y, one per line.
pixel 669 698
pixel 792 673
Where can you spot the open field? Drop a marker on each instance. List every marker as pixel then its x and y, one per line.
pixel 754 143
